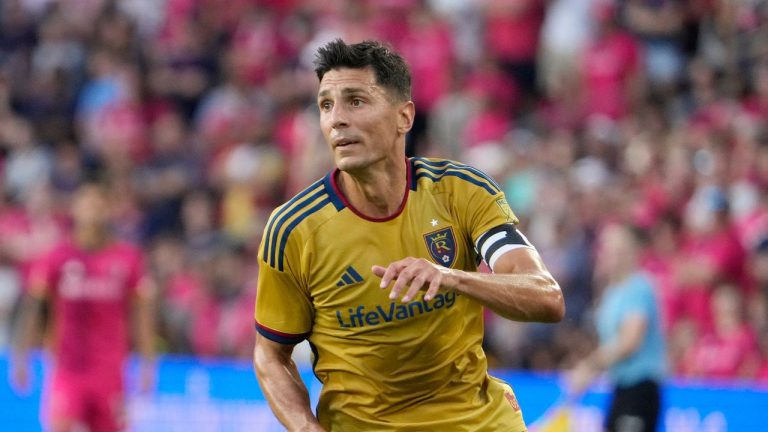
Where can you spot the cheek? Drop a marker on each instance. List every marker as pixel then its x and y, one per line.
pixel 324 125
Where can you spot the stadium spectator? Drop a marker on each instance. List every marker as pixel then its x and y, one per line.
pixel 168 174
pixel 222 306
pixel 512 30
pixel 757 304
pixel 177 286
pixel 658 25
pixel 729 349
pixel 611 67
pixel 710 253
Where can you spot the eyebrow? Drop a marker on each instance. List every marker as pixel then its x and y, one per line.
pixel 345 92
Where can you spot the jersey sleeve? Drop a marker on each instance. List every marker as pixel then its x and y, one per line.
pixel 42 275
pixel 483 209
pixel 284 311
pixel 639 299
pixel 138 276
pixel 490 221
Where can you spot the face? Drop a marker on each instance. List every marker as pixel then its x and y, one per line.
pixel 90 207
pixel 759 267
pixel 361 121
pixel 616 249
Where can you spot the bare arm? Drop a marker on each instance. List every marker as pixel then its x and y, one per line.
pixel 281 383
pixel 630 337
pixel 27 330
pixel 144 323
pixel 520 289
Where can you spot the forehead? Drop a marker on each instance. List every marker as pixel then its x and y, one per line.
pixel 90 192
pixel 616 235
pixel 347 79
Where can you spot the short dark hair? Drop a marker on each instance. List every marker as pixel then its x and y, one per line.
pixel 390 68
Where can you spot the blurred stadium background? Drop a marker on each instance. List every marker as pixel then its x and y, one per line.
pixel 586 111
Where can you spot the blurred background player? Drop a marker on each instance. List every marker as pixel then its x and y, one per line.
pixel 631 345
pixel 97 291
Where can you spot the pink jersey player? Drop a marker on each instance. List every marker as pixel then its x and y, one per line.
pixel 95 286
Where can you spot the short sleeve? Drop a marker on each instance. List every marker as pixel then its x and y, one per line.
pixel 138 276
pixel 640 297
pixel 284 311
pixel 42 275
pixel 484 208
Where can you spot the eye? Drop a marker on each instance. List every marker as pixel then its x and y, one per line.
pixel 357 102
pixel 325 105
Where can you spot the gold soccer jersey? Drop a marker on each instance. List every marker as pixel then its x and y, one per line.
pixel 387 365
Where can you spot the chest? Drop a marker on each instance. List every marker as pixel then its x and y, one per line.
pixel 339 262
pixel 84 277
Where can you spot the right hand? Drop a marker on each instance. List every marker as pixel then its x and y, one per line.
pixel 579 379
pixel 21 377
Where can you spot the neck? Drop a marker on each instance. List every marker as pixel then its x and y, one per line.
pixel 621 273
pixel 90 238
pixel 376 192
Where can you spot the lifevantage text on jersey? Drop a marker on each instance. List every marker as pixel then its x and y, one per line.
pixel 361 316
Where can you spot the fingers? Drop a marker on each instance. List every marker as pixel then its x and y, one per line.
pixel 416 283
pixel 390 273
pixel 410 275
pixel 578 380
pixel 147 379
pixel 21 380
pixel 403 279
pixel 434 287
pixel 378 270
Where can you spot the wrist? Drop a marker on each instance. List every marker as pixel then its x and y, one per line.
pixel 310 425
pixel 603 358
pixel 455 280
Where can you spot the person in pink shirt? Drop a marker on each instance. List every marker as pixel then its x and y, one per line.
pixel 610 66
pixel 428 48
pixel 222 308
pixel 710 254
pixel 31 228
pixel 659 259
pixel 512 33
pixel 730 350
pixel 96 286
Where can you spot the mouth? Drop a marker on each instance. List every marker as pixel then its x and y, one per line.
pixel 344 142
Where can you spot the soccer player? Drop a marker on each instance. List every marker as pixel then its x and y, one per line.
pixel 98 290
pixel 376 265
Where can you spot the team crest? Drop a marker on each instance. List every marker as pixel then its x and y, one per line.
pixel 504 206
pixel 442 246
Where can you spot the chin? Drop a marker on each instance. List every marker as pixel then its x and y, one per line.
pixel 351 164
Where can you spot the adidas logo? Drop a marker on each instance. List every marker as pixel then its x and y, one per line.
pixel 349 277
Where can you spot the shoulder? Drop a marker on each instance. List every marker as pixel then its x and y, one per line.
pixel 305 205
pixel 642 283
pixel 638 291
pixel 49 258
pixel 299 216
pixel 449 175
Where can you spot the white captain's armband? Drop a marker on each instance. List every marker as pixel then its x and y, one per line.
pixel 499 240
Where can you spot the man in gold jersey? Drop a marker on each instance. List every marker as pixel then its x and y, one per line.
pixel 375 264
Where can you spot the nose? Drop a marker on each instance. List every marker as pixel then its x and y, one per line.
pixel 338 117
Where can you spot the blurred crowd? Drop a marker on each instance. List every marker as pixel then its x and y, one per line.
pixel 202 114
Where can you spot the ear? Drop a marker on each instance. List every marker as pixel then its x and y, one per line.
pixel 405 114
